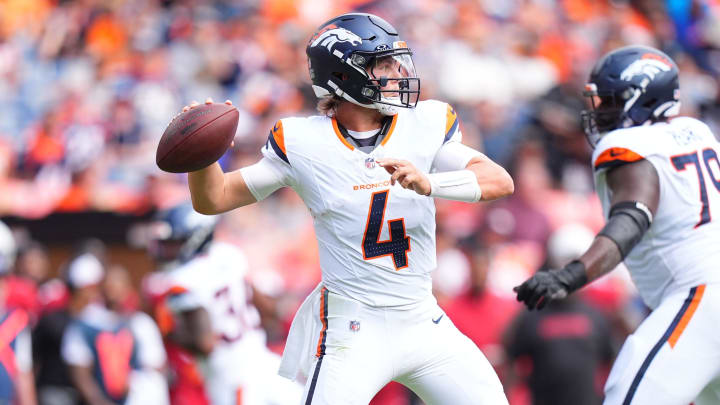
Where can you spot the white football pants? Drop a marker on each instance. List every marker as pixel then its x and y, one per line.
pixel 673 358
pixel 360 349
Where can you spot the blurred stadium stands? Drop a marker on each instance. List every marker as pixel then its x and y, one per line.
pixel 88 86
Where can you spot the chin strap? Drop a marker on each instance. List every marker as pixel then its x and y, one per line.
pixel 386 109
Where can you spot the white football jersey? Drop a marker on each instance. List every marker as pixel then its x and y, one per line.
pixel 376 241
pixel 680 250
pixel 215 281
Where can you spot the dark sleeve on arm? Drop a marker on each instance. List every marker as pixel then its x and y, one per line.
pixel 635 197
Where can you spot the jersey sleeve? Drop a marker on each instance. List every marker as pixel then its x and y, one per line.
pixel 274 148
pixel 622 147
pixel 274 170
pixel 181 299
pixel 452 126
pixel 452 154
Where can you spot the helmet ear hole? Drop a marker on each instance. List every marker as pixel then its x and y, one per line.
pixel 650 103
pixel 340 76
pixel 606 102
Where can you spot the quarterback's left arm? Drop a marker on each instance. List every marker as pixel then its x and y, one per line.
pixel 462 174
pixel 494 181
pixel 634 201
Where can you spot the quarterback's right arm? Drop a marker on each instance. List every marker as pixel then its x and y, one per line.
pixel 214 192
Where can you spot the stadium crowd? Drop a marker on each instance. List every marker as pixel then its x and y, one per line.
pixel 88 87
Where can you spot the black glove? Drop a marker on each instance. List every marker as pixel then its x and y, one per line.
pixel 544 286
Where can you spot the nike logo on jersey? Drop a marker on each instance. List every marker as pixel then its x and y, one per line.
pixel 436 321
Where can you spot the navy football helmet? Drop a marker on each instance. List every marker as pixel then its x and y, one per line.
pixel 179 233
pixel 630 86
pixel 361 58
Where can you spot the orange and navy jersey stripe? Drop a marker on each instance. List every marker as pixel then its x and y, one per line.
pixel 176 290
pixel 451 123
pixel 391 130
pixel 614 157
pixel 342 133
pixel 276 140
pixel 320 354
pixel 671 336
pixel 323 318
pixel 692 303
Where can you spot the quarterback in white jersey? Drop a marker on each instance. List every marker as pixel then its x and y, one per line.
pixel 237 365
pixel 659 183
pixel 367 170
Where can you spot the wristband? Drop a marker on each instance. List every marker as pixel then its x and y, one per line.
pixel 457 185
pixel 574 275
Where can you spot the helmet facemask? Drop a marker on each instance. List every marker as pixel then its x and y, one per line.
pixel 392 80
pixel 605 114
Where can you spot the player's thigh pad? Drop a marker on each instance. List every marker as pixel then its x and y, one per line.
pixel 674 353
pixel 354 362
pixel 444 367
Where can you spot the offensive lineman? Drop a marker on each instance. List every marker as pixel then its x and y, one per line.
pixel 659 184
pixel 367 170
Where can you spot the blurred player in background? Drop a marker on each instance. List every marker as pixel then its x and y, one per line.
pixel 114 352
pixel 186 382
pixel 563 351
pixel 659 183
pixel 368 170
pixel 99 345
pixel 16 374
pixel 213 316
pixel 148 382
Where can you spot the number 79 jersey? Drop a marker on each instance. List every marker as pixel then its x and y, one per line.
pixel 680 250
pixel 376 241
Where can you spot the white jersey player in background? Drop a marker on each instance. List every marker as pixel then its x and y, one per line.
pixel 368 171
pixel 214 312
pixel 659 183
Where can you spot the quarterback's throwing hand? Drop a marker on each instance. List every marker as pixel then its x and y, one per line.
pixel 406 174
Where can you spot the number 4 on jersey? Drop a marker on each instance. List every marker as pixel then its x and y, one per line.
pixel 397 246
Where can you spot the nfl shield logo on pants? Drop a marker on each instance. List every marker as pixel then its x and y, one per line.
pixel 369 163
pixel 354 326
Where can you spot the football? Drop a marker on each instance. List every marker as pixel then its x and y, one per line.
pixel 197 138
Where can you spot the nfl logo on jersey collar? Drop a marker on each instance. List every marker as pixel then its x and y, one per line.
pixel 369 162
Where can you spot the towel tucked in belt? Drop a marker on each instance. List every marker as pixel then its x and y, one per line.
pixel 302 340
